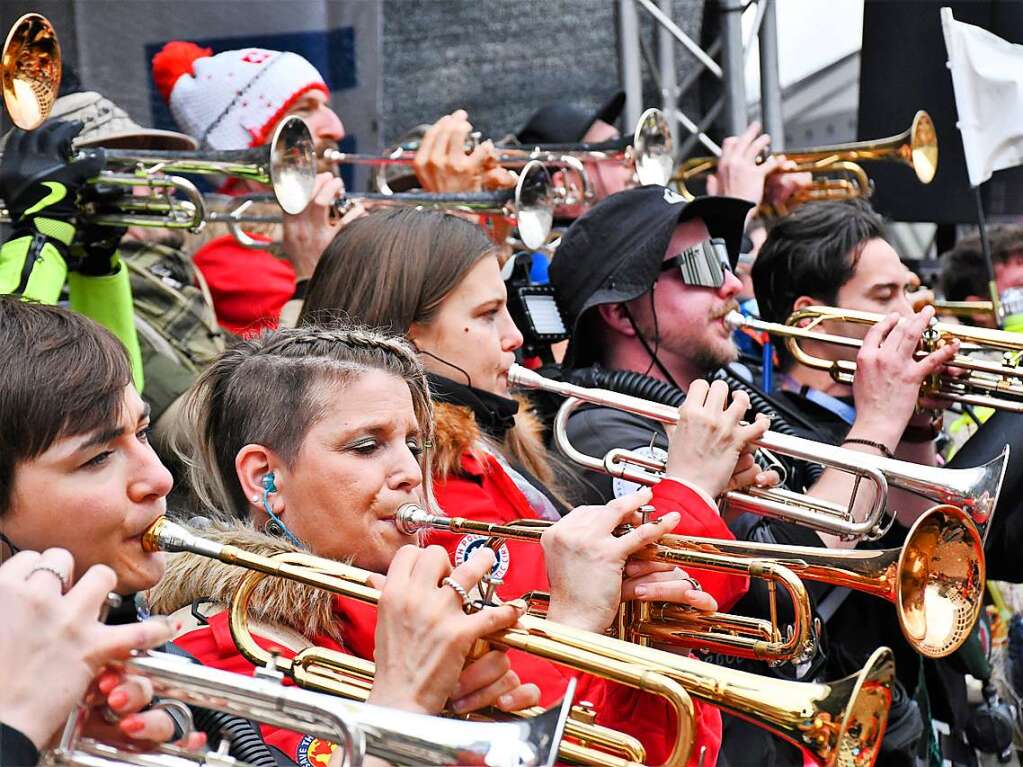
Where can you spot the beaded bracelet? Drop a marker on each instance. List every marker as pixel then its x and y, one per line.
pixel 870 443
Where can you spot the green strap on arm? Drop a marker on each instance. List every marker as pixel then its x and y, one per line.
pixel 108 300
pixel 39 281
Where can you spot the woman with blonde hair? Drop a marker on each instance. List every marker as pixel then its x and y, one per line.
pixel 312 438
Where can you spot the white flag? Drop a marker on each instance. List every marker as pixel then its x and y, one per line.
pixel 987 76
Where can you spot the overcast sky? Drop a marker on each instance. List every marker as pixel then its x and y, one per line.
pixel 811 34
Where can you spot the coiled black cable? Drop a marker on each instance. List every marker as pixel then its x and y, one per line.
pixel 648 388
pixel 247 744
pixel 628 382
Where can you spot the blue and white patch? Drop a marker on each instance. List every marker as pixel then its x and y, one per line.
pixel 621 486
pixel 470 543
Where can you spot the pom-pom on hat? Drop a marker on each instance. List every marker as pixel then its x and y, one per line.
pixel 234 99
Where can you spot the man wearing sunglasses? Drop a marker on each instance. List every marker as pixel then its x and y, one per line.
pixel 644 281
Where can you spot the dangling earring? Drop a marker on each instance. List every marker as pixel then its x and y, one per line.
pixel 275 526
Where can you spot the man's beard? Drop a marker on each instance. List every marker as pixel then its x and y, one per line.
pixel 709 359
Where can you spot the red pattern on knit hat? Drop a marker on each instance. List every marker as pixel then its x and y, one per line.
pixel 261 136
pixel 175 59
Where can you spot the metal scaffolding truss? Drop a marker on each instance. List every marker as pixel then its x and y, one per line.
pixel 732 50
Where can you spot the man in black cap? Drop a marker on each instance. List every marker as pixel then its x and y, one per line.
pixel 645 282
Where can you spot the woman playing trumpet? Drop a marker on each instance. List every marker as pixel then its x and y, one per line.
pixel 328 466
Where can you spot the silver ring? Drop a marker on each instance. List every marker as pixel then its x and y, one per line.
pixel 449 581
pixel 53 570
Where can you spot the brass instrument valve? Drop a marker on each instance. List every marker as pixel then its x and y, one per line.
pixel 644 512
pixel 583 712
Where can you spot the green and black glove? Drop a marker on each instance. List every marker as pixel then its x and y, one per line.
pixel 41 187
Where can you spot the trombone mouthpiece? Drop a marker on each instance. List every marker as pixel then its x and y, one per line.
pixel 411 518
pixel 165 535
pixel 735 320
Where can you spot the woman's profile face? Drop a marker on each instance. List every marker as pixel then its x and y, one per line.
pixel 472 333
pixel 357 465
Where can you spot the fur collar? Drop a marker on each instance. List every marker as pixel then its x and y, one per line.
pixel 304 609
pixel 455 432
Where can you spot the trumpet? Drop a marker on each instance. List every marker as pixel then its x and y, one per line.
pixel 287 164
pixel 648 150
pixel 997 385
pixel 935 580
pixel 358 728
pixel 641 622
pixel 30 71
pixel 916 147
pixel 531 204
pixel 838 723
pixel 975 489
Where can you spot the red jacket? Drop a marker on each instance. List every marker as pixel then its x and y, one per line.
pixel 483 491
pixel 249 286
pixel 641 715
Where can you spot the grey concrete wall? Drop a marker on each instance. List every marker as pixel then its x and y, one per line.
pixel 501 59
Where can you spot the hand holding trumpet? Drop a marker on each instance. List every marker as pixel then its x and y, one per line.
pixel 710 448
pixel 442 163
pixel 585 541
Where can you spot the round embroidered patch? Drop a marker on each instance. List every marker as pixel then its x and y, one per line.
pixel 470 543
pixel 313 752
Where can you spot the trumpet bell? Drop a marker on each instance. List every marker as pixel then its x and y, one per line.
pixel 861 712
pixel 653 148
pixel 293 165
pixel 940 587
pixel 31 71
pixel 534 195
pixel 923 143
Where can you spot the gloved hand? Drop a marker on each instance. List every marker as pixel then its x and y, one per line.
pixel 94 251
pixel 40 185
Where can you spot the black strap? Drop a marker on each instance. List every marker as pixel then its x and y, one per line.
pixel 828 606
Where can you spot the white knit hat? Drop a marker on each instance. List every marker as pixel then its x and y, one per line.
pixel 232 100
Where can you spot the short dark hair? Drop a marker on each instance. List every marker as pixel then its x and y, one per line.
pixel 811 252
pixel 64 375
pixel 963 272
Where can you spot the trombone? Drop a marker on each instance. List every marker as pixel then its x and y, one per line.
pixel 360 729
pixel 935 580
pixel 30 70
pixel 531 204
pixel 975 489
pixel 996 385
pixel 641 622
pixel 648 151
pixel 336 673
pixel 839 723
pixel 287 164
pixel 916 147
